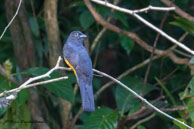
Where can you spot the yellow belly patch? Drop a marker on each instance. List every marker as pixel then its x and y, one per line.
pixel 67 62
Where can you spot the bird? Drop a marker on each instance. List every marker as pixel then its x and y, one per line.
pixel 77 58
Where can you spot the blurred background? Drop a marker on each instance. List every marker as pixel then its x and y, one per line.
pixel 34 41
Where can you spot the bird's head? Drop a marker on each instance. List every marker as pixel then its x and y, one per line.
pixel 77 35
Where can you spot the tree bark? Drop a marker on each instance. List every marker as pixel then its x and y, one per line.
pixel 52 29
pixel 51 22
pixel 24 50
pixel 21 35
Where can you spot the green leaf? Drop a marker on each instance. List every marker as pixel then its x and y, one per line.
pixel 16 117
pixel 122 17
pixel 61 88
pixel 184 94
pixel 190 106
pixel 180 125
pixel 86 19
pixel 185 24
pixel 141 127
pixel 191 86
pixel 126 43
pixel 126 100
pixel 23 96
pixel 2 110
pixel 135 108
pixel 103 118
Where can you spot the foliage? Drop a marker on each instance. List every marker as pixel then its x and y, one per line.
pixel 114 54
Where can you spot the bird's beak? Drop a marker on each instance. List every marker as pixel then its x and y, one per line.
pixel 83 36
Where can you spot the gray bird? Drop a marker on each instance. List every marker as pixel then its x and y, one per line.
pixel 77 58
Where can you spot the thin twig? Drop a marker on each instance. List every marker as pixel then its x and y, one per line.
pixel 154 8
pixel 98 37
pixel 166 91
pixel 11 20
pixel 143 120
pixel 181 45
pixel 167 77
pixel 76 117
pixel 178 108
pixel 152 54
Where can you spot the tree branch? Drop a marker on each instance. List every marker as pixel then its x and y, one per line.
pixel 153 8
pixel 181 45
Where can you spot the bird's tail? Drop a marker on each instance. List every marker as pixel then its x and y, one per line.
pixel 87 96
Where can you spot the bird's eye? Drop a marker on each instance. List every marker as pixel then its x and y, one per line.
pixel 76 34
